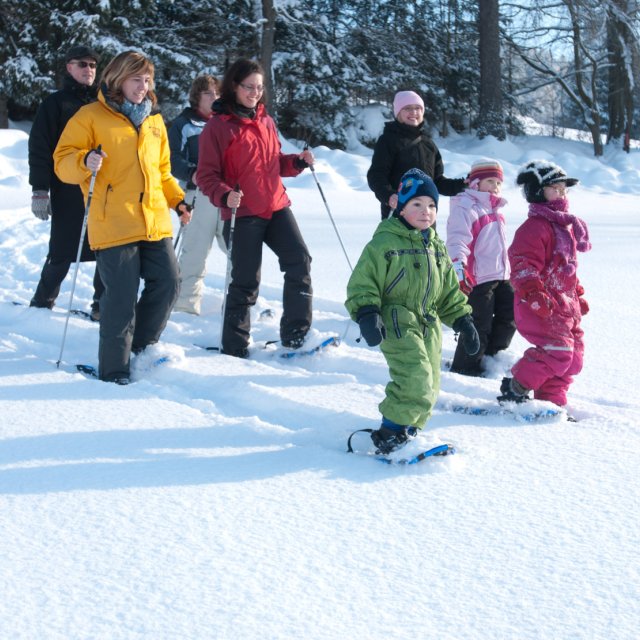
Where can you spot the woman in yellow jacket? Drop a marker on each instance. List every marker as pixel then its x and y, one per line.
pixel 129 223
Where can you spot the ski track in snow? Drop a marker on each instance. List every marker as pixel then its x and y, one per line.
pixel 214 497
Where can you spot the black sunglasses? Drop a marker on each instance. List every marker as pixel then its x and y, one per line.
pixel 83 64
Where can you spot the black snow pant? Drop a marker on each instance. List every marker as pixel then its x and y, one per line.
pixel 492 304
pixel 53 273
pixel 282 235
pixel 126 322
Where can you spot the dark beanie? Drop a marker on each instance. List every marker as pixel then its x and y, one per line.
pixel 79 51
pixel 415 183
pixel 535 175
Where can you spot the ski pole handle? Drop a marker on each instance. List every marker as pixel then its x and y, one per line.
pixel 306 148
pixel 98 152
pixel 233 197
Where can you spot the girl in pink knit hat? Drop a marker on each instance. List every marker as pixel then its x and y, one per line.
pixel 477 244
pixel 405 144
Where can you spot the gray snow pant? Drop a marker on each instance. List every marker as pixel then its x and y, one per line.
pixel 197 238
pixel 126 322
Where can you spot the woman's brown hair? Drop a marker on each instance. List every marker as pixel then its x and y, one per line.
pixel 123 66
pixel 235 74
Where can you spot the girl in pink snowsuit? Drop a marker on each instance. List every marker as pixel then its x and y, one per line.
pixel 548 296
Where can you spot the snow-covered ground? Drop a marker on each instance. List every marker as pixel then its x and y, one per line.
pixel 214 497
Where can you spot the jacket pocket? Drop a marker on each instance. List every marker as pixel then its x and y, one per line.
pixel 101 213
pixel 396 323
pixel 392 285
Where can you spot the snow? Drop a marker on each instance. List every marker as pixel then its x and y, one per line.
pixel 213 498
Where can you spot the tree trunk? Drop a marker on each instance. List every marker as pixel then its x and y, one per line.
pixel 620 98
pixel 266 50
pixel 491 116
pixel 4 112
pixel 596 136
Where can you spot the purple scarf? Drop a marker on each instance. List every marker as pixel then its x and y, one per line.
pixel 557 212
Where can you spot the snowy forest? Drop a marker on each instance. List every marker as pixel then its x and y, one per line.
pixel 481 65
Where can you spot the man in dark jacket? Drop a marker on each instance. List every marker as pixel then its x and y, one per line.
pixel 51 197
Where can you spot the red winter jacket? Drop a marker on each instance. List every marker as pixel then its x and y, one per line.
pixel 245 152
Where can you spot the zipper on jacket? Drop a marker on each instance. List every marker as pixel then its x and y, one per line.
pixel 429 281
pixel 395 281
pixel 396 324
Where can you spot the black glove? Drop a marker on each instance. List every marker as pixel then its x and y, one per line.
pixel 371 325
pixel 468 334
pixel 186 204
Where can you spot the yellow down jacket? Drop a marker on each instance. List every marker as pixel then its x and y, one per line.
pixel 134 187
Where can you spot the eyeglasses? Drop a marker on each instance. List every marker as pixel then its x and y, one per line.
pixel 251 88
pixel 83 64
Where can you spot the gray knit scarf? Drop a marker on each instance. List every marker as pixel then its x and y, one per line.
pixel 136 112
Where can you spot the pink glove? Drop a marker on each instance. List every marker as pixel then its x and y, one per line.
pixel 541 304
pixel 584 306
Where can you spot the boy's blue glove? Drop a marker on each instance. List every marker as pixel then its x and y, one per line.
pixel 371 325
pixel 468 334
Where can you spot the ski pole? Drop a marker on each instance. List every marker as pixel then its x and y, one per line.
pixel 178 236
pixel 313 172
pixel 79 254
pixel 227 279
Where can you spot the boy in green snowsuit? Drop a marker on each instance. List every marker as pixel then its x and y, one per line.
pixel 403 286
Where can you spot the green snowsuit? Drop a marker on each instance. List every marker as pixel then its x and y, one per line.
pixel 409 277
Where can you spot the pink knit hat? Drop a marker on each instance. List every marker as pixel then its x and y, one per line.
pixel 404 99
pixel 486 168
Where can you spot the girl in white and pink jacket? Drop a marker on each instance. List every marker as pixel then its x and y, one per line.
pixel 477 244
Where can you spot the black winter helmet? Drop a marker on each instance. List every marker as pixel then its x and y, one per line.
pixel 537 174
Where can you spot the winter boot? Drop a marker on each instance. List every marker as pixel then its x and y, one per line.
pixel 294 341
pixel 243 352
pixel 512 391
pixel 391 436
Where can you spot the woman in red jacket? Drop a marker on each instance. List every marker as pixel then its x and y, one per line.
pixel 239 146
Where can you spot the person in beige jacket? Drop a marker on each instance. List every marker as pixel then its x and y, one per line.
pixel 129 223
